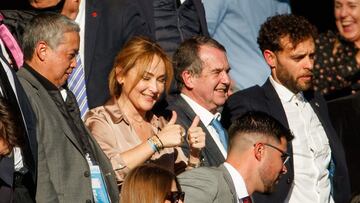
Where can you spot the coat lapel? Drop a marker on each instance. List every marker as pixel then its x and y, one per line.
pixel 211 147
pixel 229 181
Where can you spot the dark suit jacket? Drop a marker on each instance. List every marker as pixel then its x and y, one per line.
pixel 211 154
pixel 266 99
pixel 208 184
pixel 108 25
pixel 63 171
pixel 345 115
pixel 29 150
pixel 146 11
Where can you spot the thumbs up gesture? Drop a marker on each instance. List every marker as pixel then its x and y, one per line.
pixel 172 134
pixel 196 136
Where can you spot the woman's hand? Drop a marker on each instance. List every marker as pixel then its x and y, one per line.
pixel 172 134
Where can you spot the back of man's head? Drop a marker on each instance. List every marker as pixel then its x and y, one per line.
pixel 47 27
pixel 255 127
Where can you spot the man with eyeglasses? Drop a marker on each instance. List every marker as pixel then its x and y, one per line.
pixel 255 162
pixel 317 171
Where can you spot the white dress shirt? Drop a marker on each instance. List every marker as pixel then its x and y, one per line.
pixel 311 149
pixel 206 117
pixel 240 186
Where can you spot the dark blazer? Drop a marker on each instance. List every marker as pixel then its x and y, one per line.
pixel 266 99
pixel 345 115
pixel 146 11
pixel 63 171
pixel 29 150
pixel 211 154
pixel 208 184
pixel 108 25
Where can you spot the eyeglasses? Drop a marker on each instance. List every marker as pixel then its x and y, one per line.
pixel 175 196
pixel 284 155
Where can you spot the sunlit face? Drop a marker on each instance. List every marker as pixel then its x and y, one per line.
pixel 347 18
pixel 148 90
pixel 292 67
pixel 211 86
pixel 272 168
pixel 62 60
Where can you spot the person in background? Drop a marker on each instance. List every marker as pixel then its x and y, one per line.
pixel 337 56
pixel 18 170
pixel 235 24
pixel 169 22
pixel 151 183
pixel 317 171
pixel 69 159
pixel 256 161
pixel 126 129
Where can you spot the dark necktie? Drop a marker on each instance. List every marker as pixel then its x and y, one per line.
pixel 221 132
pixel 246 200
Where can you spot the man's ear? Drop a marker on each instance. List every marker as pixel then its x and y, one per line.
pixel 259 151
pixel 270 58
pixel 41 50
pixel 188 79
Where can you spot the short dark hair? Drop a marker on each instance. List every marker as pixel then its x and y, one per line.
pixel 260 123
pixel 186 57
pixel 297 28
pixel 10 130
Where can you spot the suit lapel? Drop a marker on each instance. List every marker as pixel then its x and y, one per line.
pixel 210 145
pixel 274 104
pixel 93 15
pixel 277 111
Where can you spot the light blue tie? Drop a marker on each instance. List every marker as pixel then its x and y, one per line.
pixel 221 132
pixel 76 83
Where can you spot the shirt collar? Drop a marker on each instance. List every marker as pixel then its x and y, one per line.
pixel 284 93
pixel 239 183
pixel 205 116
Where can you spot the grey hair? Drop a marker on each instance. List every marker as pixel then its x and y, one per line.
pixel 47 27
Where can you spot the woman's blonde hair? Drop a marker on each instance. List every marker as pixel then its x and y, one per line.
pixel 147 183
pixel 139 53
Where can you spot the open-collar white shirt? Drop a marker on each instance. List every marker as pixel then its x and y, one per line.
pixel 311 149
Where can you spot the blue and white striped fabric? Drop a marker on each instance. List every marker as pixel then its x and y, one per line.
pixel 76 83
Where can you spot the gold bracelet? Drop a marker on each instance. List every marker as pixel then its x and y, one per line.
pixel 157 143
pixel 162 145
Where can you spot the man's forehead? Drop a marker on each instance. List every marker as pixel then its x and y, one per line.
pixel 211 55
pixel 287 45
